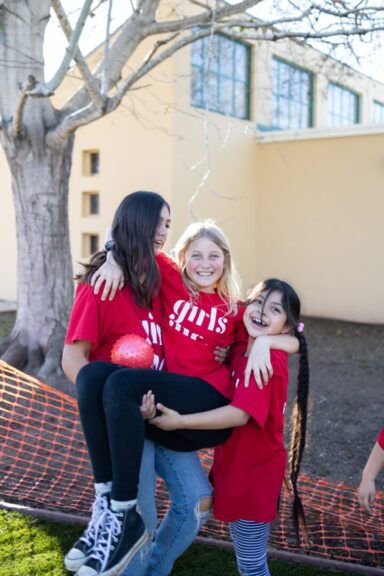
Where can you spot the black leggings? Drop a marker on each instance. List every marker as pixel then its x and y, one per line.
pixel 109 399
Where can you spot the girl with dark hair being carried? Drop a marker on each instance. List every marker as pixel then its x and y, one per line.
pixel 248 469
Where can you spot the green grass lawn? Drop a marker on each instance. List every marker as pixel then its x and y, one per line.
pixel 7 320
pixel 30 546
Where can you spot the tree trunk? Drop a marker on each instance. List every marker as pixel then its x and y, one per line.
pixel 40 174
pixel 40 178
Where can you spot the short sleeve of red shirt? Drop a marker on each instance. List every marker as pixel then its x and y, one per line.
pixel 254 401
pixel 380 439
pixel 166 264
pixel 102 322
pixel 84 320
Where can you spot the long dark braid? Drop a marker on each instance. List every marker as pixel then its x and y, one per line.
pixel 292 306
pixel 298 433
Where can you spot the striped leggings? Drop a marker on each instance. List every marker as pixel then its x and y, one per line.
pixel 250 540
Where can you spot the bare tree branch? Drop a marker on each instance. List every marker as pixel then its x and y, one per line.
pixel 205 17
pixel 159 44
pixel 72 45
pixel 142 23
pixel 209 22
pixel 125 43
pixel 26 88
pixel 200 5
pixel 105 81
pixel 346 12
pixel 139 6
pixel 17 121
pixel 81 117
pixel 89 113
pixel 272 35
pixel 148 9
pixel 91 85
pixel 150 63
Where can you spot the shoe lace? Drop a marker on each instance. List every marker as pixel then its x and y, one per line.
pixel 99 506
pixel 111 527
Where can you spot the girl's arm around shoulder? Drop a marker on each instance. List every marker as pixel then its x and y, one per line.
pixel 259 360
pixel 111 275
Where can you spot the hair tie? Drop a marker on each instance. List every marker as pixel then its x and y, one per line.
pixel 300 327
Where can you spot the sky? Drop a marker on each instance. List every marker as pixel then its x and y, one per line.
pixel 371 54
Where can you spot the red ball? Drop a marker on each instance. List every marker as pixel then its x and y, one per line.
pixel 132 351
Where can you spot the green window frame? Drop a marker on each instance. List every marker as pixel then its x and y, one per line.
pixel 220 76
pixel 292 97
pixel 378 112
pixel 343 106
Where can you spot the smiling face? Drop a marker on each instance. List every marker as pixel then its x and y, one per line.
pixel 265 315
pixel 162 229
pixel 204 263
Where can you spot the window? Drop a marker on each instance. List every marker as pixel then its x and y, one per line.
pixel 91 162
pixel 378 113
pixel 292 97
pixel 90 244
pixel 343 106
pixel 221 76
pixel 91 203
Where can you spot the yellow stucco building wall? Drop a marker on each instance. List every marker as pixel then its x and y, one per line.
pixel 304 206
pixel 319 222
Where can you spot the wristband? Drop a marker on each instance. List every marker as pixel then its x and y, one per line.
pixel 109 245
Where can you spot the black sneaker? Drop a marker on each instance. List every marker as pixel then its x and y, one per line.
pixel 82 550
pixel 123 535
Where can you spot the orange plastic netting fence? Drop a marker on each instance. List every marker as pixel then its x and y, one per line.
pixel 44 464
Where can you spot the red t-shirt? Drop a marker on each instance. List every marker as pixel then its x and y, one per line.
pixel 193 328
pixel 380 439
pixel 102 323
pixel 248 469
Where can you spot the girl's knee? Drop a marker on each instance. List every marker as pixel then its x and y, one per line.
pixel 204 510
pixel 89 383
pixel 205 504
pixel 119 391
pixel 94 374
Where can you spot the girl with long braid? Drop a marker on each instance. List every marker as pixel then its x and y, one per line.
pixel 249 468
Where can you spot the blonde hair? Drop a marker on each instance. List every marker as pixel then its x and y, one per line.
pixel 228 286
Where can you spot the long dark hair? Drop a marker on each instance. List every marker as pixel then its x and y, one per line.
pixel 292 306
pixel 133 231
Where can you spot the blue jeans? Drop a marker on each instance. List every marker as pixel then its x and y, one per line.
pixel 187 484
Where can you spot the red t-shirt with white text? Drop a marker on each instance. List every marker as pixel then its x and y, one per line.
pixel 103 322
pixel 248 469
pixel 193 328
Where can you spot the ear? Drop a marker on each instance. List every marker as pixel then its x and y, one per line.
pixel 287 329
